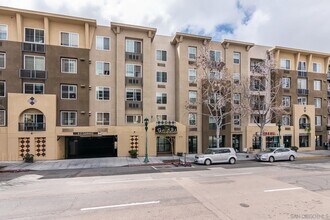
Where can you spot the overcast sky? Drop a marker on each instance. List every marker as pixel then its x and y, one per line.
pixel 294 23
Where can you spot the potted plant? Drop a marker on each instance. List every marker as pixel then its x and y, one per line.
pixel 133 153
pixel 28 158
pixel 294 148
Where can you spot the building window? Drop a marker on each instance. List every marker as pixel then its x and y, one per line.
pixel 286 120
pixel 303 141
pixel 286 83
pixel 318 140
pixel 192 119
pixel 285 64
pixel 33 88
pixel 317 85
pixel 318 102
pixel 192 143
pixel 69 39
pixel 192 53
pixel 302 66
pixel 237 57
pixel 69 92
pixel 162 77
pixel 102 43
pixel 213 141
pixel 236 77
pixel 102 118
pixel 237 98
pixel 102 68
pixel 192 75
pixel 237 120
pixel 161 98
pixel 302 100
pixel 215 75
pixel 68 118
pixel 2 88
pixel 133 46
pixel 133 70
pixel 2 61
pixel 286 101
pixel 133 95
pixel 212 123
pixel 317 68
pixel 102 93
pixel 68 65
pixel 161 117
pixel 215 55
pixel 161 55
pixel 2 117
pixel 3 32
pixel 133 119
pixel 318 120
pixel 34 35
pixel 192 97
pixel 34 63
pixel 302 84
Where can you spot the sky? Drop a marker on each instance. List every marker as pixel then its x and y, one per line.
pixel 299 24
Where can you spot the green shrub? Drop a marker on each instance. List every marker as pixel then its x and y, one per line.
pixel 294 148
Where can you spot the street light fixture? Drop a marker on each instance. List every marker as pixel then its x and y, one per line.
pixel 146 121
pixel 279 125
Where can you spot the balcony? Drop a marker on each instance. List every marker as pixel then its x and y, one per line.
pixel 257 87
pixel 304 126
pixel 328 127
pixel 258 107
pixel 32 74
pixel 328 93
pixel 135 81
pixel 328 76
pixel 134 56
pixel 133 105
pixel 33 47
pixel 302 73
pixel 302 91
pixel 32 126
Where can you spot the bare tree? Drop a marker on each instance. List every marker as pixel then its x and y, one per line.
pixel 265 106
pixel 217 89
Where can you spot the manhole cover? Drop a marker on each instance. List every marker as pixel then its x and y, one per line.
pixel 244 205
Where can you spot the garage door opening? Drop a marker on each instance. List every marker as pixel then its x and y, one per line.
pixel 90 147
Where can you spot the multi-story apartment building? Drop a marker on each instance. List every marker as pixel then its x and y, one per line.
pixel 70 88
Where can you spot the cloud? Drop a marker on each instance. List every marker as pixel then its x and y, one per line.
pixel 294 23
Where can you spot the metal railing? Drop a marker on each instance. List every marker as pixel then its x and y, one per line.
pixel 133 56
pixel 304 126
pixel 33 47
pixel 302 91
pixel 32 126
pixel 302 73
pixel 133 105
pixel 32 74
pixel 133 81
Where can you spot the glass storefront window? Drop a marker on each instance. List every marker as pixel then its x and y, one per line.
pixel 304 141
pixel 272 141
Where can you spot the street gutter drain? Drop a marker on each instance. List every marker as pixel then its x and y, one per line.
pixel 244 205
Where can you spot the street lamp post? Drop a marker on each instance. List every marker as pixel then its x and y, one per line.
pixel 279 124
pixel 146 121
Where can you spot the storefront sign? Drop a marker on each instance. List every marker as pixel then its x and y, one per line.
pixel 87 133
pixel 166 129
pixel 269 134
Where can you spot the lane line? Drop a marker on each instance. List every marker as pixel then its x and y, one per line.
pixel 154 168
pixel 126 181
pixel 121 205
pixel 284 189
pixel 234 174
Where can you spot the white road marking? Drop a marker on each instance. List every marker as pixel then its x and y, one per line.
pixel 233 174
pixel 126 181
pixel 284 189
pixel 154 168
pixel 121 205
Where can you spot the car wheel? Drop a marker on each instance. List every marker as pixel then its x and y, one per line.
pixel 291 158
pixel 207 162
pixel 232 160
pixel 271 159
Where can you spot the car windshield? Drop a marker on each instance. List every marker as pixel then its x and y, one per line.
pixel 269 150
pixel 208 151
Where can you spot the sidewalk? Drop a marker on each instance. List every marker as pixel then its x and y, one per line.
pixel 122 162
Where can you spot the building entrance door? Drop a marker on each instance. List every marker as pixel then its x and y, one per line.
pixel 237 142
pixel 287 141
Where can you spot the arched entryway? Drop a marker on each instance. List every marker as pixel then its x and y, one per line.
pixel 32 120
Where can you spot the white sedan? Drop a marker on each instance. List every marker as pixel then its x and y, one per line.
pixel 274 154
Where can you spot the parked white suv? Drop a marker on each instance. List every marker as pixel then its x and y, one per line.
pixel 217 155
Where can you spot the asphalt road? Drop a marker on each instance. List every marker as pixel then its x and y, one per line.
pixel 246 190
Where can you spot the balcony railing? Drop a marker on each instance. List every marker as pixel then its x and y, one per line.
pixel 328 75
pixel 328 93
pixel 302 73
pixel 134 56
pixel 32 74
pixel 302 91
pixel 328 127
pixel 133 81
pixel 304 126
pixel 257 87
pixel 33 47
pixel 133 105
pixel 32 126
pixel 258 107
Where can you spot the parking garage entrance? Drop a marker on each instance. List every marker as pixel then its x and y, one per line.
pixel 90 147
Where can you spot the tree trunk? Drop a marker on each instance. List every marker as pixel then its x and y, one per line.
pixel 261 137
pixel 218 136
